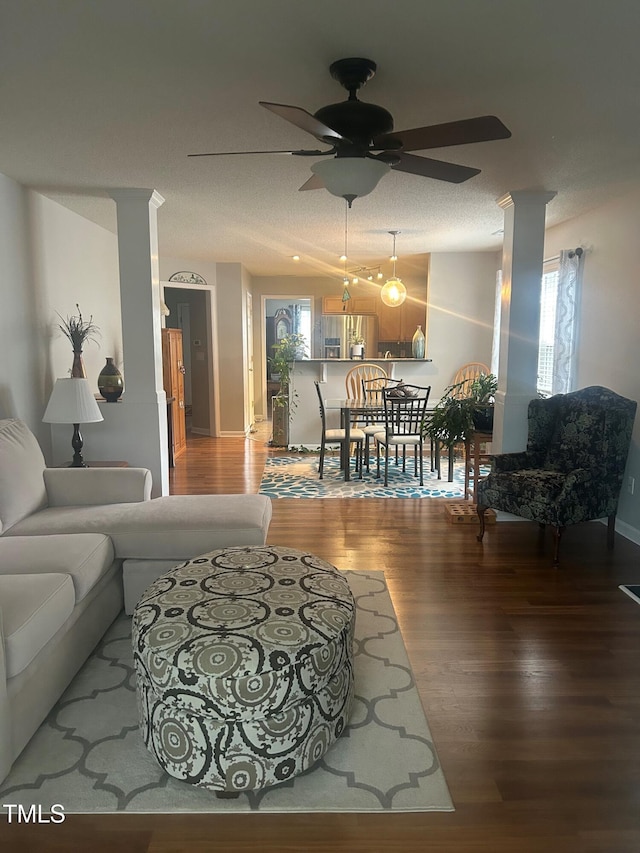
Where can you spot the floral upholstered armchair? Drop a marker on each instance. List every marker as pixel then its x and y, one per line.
pixel 573 467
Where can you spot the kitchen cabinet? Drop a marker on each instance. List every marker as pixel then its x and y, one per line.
pixel 389 325
pixel 355 305
pixel 173 379
pixel 399 324
pixel 414 314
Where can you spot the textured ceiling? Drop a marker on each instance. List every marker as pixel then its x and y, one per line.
pixel 116 93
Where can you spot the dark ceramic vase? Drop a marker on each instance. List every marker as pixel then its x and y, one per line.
pixel 110 382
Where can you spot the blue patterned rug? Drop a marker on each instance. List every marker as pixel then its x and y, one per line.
pixel 297 477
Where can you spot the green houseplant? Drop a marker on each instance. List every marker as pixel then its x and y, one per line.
pixel 285 352
pixel 456 417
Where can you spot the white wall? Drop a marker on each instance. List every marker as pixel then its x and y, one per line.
pixel 460 312
pixel 24 379
pixel 52 258
pixel 609 343
pixel 76 262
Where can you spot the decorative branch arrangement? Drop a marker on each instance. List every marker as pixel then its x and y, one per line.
pixel 78 330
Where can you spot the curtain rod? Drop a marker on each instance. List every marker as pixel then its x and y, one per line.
pixel 577 252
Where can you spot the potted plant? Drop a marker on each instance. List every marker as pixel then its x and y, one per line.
pixel 356 345
pixel 483 391
pixel 285 352
pixel 455 418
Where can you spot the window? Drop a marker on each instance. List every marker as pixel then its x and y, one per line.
pixel 559 323
pixel 547 340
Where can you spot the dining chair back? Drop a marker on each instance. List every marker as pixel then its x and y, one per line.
pixel 354 377
pixel 337 436
pixel 405 409
pixel 372 394
pixel 466 376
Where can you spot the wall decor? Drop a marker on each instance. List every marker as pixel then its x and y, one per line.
pixel 187 277
pixel 78 331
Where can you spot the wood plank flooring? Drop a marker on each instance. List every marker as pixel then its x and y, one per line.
pixel 530 678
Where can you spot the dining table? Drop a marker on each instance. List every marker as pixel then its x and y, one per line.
pixel 353 410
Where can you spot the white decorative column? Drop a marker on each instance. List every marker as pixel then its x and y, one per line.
pixel 522 259
pixel 142 416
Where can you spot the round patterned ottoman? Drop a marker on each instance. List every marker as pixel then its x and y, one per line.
pixel 244 666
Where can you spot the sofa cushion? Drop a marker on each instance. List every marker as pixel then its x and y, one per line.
pixel 22 488
pixel 34 608
pixel 84 556
pixel 174 527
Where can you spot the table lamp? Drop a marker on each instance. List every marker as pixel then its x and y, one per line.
pixel 71 402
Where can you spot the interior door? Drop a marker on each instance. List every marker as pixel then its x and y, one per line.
pixel 173 376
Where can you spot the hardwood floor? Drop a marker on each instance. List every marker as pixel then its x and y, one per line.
pixel 530 678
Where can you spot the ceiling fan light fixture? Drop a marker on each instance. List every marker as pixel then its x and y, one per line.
pixel 350 177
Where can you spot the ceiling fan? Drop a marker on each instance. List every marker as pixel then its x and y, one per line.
pixel 365 145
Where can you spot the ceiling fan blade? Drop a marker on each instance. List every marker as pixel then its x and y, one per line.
pixel 428 168
pixel 480 129
pixel 315 182
pixel 304 120
pixel 302 153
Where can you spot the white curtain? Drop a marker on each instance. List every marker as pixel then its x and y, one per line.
pixel 566 328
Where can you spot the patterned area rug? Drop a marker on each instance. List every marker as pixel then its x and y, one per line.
pixel 297 477
pixel 89 757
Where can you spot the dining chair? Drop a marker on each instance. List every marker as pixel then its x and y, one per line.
pixel 372 395
pixel 466 376
pixel 405 407
pixel 366 371
pixel 337 436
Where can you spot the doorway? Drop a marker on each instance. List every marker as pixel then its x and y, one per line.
pixel 191 310
pixel 283 315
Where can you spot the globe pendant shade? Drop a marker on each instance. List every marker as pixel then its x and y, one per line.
pixel 393 292
pixel 350 176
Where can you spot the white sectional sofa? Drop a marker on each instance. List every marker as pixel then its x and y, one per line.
pixel 68 538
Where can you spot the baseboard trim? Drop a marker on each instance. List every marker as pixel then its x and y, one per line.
pixel 200 431
pixel 240 433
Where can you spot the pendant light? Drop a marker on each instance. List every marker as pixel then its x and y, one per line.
pixel 346 296
pixel 393 292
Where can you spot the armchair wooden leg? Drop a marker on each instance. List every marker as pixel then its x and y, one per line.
pixel 557 536
pixel 481 511
pixel 611 531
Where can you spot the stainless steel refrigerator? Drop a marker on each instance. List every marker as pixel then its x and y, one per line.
pixel 337 334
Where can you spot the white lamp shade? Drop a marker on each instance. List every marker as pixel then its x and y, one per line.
pixel 71 402
pixel 350 176
pixel 393 292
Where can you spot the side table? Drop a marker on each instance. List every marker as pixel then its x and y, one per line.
pixel 473 458
pixel 99 464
